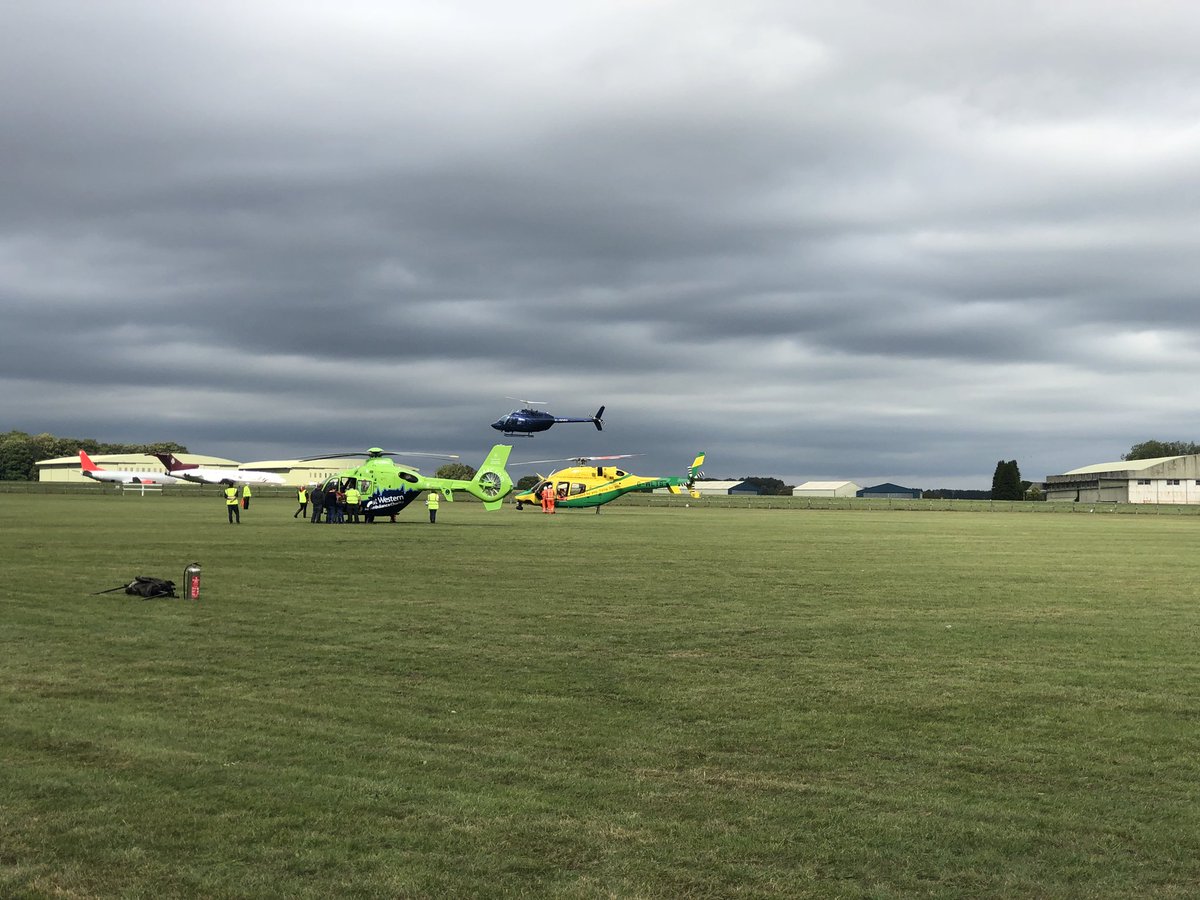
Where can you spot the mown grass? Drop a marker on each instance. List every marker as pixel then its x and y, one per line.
pixel 649 702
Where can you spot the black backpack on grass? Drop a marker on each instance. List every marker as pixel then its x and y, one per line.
pixel 147 588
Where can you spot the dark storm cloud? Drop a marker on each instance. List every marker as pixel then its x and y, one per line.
pixel 840 240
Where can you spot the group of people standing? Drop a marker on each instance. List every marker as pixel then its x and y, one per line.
pixel 341 503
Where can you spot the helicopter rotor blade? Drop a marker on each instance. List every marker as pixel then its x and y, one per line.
pixel 363 454
pixel 419 453
pixel 534 462
pixel 531 402
pixel 577 459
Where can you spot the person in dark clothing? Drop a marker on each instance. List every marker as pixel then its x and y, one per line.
pixel 231 504
pixel 318 502
pixel 331 503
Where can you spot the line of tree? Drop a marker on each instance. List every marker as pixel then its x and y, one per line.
pixel 19 451
pixel 456 471
pixel 1159 449
pixel 956 494
pixel 768 487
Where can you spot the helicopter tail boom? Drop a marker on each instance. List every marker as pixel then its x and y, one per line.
pixel 491 483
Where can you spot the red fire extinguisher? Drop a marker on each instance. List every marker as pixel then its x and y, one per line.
pixel 191 581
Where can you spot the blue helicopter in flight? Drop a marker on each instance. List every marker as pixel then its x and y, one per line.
pixel 528 421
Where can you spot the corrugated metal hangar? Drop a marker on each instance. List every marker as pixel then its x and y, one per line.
pixel 889 491
pixel 66 468
pixel 1168 479
pixel 295 472
pixel 825 489
pixel 725 487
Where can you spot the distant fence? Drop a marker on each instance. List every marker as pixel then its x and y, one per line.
pixel 750 501
pixel 101 489
pixel 711 501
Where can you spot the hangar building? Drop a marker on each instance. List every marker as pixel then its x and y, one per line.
pixel 66 468
pixel 725 487
pixel 826 489
pixel 1168 479
pixel 889 491
pixel 295 472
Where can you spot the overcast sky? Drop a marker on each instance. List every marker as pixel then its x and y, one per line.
pixel 875 241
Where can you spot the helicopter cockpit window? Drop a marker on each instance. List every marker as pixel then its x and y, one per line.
pixel 364 485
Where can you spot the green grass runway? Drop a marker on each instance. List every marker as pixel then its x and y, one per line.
pixel 649 702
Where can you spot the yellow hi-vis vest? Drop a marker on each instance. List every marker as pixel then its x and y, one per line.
pixel 431 500
pixel 231 496
pixel 245 490
pixel 302 495
pixel 353 495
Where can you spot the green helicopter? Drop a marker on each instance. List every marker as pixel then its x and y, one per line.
pixel 388 487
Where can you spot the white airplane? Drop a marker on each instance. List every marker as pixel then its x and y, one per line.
pixel 90 470
pixel 193 472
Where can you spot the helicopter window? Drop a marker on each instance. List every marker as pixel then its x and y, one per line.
pixel 578 488
pixel 620 474
pixel 562 488
pixel 364 486
pixel 408 476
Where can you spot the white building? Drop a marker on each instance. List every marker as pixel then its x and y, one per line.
pixel 295 472
pixel 67 468
pixel 826 489
pixel 725 487
pixel 1168 479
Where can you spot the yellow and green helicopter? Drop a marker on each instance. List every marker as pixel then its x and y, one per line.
pixel 584 485
pixel 388 487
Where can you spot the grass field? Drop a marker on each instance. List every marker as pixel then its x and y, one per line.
pixel 649 702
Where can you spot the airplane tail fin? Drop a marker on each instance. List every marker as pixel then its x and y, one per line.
pixel 86 463
pixel 598 419
pixel 170 462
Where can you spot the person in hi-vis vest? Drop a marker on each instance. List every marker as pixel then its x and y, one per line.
pixel 431 501
pixel 231 504
pixel 353 504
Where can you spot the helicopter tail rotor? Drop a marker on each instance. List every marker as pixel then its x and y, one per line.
pixel 598 420
pixel 694 473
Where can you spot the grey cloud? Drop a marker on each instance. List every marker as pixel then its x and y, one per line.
pixel 827 240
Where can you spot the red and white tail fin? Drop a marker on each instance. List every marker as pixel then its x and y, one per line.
pixel 86 462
